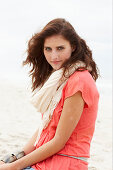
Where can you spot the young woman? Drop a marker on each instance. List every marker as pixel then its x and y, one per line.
pixel 63 82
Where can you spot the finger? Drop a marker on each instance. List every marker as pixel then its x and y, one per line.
pixel 1 162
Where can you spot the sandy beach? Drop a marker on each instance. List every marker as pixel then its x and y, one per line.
pixel 19 120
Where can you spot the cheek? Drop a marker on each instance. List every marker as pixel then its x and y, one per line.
pixel 46 56
pixel 67 54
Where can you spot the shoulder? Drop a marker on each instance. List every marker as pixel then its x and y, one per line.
pixel 81 78
pixel 82 81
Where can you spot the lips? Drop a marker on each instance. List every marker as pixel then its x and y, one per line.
pixel 56 62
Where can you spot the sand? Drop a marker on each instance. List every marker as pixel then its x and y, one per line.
pixel 19 120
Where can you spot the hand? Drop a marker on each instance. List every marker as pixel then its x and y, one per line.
pixel 4 166
pixel 1 162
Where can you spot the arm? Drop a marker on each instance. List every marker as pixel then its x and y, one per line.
pixel 72 110
pixel 29 147
pixel 71 113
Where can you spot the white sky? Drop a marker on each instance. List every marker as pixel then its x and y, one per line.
pixel 19 19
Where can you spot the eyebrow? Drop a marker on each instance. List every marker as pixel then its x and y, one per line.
pixel 56 47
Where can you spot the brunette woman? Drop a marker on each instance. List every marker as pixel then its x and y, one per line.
pixel 64 91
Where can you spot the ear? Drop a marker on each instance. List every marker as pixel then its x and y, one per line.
pixel 73 48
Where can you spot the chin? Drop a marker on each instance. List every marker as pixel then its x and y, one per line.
pixel 56 67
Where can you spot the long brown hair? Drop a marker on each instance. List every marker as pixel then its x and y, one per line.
pixel 41 69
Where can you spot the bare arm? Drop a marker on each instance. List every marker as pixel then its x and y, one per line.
pixel 72 110
pixel 29 147
pixel 71 113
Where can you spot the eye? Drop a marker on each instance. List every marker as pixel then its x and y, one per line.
pixel 47 48
pixel 60 48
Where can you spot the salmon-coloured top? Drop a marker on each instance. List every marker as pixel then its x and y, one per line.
pixel 79 142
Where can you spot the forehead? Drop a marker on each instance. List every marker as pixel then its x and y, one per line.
pixel 55 40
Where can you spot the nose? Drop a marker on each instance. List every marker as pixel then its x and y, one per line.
pixel 54 55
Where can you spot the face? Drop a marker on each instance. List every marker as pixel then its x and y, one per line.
pixel 57 50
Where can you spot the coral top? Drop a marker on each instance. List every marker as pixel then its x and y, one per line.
pixel 79 142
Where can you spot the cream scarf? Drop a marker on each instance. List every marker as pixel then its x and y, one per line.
pixel 46 98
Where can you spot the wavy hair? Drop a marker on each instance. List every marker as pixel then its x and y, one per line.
pixel 41 69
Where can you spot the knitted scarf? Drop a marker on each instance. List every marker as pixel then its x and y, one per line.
pixel 46 98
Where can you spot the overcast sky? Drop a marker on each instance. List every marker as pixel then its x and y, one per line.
pixel 19 19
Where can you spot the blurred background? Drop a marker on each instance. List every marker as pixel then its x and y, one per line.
pixel 19 20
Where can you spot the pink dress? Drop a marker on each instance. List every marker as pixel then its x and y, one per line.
pixel 79 142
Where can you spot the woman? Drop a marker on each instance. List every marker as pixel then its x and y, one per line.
pixel 63 81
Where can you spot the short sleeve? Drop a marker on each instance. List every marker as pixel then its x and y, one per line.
pixel 82 81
